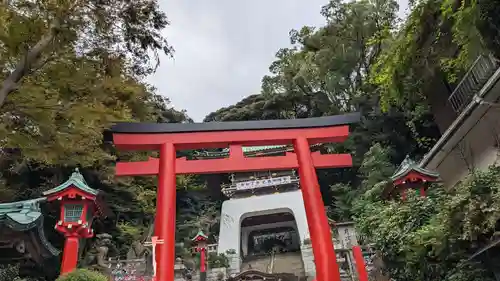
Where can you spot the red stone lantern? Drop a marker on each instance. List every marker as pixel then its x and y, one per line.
pixel 78 205
pixel 410 176
pixel 200 242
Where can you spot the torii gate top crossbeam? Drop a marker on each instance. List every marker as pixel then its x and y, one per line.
pixel 165 128
pixel 148 136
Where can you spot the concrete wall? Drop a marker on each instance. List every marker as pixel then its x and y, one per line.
pixel 437 96
pixel 473 146
pixel 308 260
pixel 471 142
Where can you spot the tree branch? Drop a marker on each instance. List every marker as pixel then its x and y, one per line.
pixel 24 66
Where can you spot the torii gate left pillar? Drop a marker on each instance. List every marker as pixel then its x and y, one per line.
pixel 168 138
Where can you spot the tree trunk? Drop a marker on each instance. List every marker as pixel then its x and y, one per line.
pixel 24 66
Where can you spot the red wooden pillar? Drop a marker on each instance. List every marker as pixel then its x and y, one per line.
pixel 360 263
pixel 324 253
pixel 203 267
pixel 165 213
pixel 70 254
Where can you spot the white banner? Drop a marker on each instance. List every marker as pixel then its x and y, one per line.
pixel 263 183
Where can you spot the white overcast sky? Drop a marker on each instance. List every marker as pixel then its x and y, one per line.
pixel 223 48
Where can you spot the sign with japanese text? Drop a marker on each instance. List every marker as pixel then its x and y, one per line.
pixel 263 183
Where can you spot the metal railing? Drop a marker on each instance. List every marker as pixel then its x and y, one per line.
pixel 476 77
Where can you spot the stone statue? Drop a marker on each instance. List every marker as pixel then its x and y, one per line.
pixel 97 255
pixel 138 251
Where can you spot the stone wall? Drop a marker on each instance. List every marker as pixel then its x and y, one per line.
pixel 234 263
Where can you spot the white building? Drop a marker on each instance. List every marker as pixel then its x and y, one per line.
pixel 264 225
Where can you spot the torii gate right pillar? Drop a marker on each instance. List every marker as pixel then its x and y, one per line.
pixel 325 258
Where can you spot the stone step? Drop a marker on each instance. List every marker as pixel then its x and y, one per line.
pixel 289 263
pixel 260 264
pixel 283 263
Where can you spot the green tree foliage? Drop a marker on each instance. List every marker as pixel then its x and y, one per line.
pixel 43 32
pixel 488 25
pixel 439 38
pixel 70 69
pixel 197 211
pixel 9 273
pixel 83 275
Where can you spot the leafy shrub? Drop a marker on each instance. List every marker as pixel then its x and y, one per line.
pixel 432 238
pixel 83 275
pixel 217 260
pixel 9 272
pixel 231 252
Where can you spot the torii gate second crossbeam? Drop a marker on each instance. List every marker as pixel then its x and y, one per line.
pixel 168 138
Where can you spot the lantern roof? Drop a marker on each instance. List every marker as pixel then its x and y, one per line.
pixel 408 166
pixel 199 236
pixel 75 180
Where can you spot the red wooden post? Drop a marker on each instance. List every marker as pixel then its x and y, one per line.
pixel 200 241
pixel 422 191
pixel 202 260
pixel 165 212
pixel 324 254
pixel 360 263
pixel 70 254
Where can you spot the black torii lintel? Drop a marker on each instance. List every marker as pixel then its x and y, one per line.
pixel 165 128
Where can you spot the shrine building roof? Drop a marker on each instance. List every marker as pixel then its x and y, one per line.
pixel 407 166
pixel 23 216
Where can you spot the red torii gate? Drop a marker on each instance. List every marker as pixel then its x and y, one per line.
pixel 170 137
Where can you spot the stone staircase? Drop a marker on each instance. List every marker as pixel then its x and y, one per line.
pixel 290 262
pixel 256 263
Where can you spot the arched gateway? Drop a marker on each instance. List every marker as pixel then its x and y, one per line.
pixel 301 133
